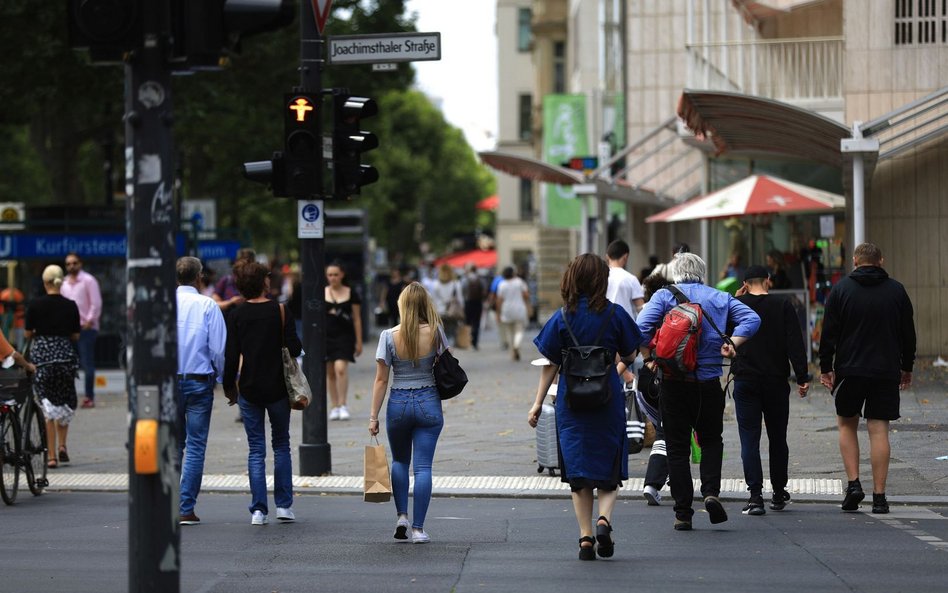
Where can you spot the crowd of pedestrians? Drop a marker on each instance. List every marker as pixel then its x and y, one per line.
pixel 231 333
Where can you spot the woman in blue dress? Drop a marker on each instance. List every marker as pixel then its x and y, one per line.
pixel 592 444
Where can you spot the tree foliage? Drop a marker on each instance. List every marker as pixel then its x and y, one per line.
pixel 61 116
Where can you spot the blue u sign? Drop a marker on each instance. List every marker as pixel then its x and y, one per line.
pixel 310 212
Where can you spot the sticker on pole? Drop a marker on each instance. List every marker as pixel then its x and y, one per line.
pixel 311 221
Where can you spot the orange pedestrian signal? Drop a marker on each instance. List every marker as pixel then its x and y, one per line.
pixel 301 106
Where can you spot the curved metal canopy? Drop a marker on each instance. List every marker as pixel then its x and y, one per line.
pixel 530 168
pixel 738 123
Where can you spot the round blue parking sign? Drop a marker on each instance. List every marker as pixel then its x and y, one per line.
pixel 310 212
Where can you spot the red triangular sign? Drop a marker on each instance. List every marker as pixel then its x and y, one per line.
pixel 321 13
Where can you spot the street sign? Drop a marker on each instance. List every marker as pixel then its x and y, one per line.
pixel 311 220
pixel 321 13
pixel 384 48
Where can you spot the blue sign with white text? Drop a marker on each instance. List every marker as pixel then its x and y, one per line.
pixel 57 246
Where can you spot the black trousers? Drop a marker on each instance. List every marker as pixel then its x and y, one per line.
pixel 687 406
pixel 472 316
pixel 767 397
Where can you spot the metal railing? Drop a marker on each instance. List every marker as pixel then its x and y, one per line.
pixel 783 69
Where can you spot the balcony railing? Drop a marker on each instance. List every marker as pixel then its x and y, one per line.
pixel 784 69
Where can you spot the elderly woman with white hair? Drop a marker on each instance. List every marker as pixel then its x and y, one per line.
pixel 694 400
pixel 52 321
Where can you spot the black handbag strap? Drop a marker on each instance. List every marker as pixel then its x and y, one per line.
pixel 602 330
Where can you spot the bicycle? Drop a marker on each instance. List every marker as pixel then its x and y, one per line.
pixel 22 446
pixel 10 452
pixel 34 451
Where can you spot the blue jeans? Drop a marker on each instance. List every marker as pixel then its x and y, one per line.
pixel 279 413
pixel 87 359
pixel 770 398
pixel 195 400
pixel 413 419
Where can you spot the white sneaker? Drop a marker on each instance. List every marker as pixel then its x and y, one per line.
pixel 401 528
pixel 334 414
pixel 285 515
pixel 652 495
pixel 258 518
pixel 343 413
pixel 419 537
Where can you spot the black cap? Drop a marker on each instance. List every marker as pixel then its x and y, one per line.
pixel 753 272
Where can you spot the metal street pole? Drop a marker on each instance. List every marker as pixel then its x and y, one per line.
pixel 154 538
pixel 315 451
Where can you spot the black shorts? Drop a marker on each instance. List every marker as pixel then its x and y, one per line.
pixel 876 399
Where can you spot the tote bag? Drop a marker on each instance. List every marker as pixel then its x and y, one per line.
pixel 297 387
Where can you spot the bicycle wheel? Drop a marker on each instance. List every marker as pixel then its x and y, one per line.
pixel 9 454
pixel 35 454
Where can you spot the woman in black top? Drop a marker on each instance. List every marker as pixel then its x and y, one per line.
pixel 343 337
pixel 255 338
pixel 52 321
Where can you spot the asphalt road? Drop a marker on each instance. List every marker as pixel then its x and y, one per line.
pixel 78 543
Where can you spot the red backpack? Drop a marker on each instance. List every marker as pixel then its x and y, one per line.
pixel 675 343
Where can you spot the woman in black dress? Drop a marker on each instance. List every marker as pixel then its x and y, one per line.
pixel 52 321
pixel 343 337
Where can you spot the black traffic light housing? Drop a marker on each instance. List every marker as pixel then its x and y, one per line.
pixel 205 31
pixel 349 141
pixel 296 172
pixel 302 145
pixel 107 28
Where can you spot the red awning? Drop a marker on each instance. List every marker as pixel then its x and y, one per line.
pixel 482 258
pixel 757 194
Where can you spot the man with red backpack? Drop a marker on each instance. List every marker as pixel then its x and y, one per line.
pixel 681 323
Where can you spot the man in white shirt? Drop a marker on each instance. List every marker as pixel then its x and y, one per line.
pixel 624 288
pixel 202 336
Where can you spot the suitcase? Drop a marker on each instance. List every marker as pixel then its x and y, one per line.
pixel 548 453
pixel 548 449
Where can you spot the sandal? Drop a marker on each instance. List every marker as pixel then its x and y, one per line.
pixel 606 547
pixel 52 464
pixel 63 455
pixel 587 553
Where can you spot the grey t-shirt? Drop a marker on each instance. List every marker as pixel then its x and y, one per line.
pixel 407 374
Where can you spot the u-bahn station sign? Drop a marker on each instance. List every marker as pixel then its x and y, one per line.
pixel 384 48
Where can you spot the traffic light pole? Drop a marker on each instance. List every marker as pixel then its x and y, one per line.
pixel 315 451
pixel 154 538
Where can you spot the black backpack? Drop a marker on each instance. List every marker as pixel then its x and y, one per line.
pixel 587 370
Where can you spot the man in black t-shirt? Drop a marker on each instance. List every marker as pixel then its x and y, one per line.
pixel 761 388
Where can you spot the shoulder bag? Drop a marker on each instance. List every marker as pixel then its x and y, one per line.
pixel 297 387
pixel 450 378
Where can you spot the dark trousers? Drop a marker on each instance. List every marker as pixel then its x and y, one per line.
pixel 768 397
pixel 472 316
pixel 688 406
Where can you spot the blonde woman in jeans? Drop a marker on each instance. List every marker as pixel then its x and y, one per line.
pixel 413 417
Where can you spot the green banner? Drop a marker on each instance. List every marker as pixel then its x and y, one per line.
pixel 564 136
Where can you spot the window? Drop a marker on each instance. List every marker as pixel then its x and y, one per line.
pixel 526 199
pixel 921 22
pixel 524 34
pixel 526 117
pixel 559 67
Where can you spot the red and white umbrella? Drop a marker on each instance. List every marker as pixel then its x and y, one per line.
pixel 758 194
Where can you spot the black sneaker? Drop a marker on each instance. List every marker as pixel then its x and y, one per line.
pixel 880 506
pixel 715 509
pixel 779 500
pixel 755 506
pixel 854 496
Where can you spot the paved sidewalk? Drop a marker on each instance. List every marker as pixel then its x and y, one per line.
pixel 487 448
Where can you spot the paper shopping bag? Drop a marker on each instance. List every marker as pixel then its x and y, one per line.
pixel 463 337
pixel 378 481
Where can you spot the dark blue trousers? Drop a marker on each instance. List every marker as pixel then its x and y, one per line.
pixel 767 398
